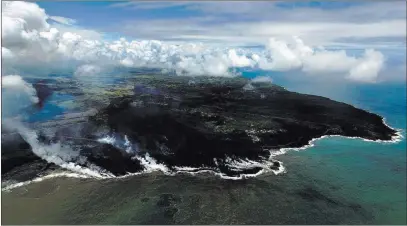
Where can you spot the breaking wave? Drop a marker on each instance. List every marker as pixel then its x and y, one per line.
pixel 151 165
pixel 78 166
pixel 394 139
pixel 61 155
pixel 9 185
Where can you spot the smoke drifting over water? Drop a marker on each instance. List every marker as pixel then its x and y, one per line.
pixel 57 153
pixel 195 136
pixel 62 157
pixel 79 167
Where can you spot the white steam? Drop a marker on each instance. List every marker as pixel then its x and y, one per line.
pixel 259 79
pixel 265 79
pixel 121 143
pixel 248 87
pixel 61 155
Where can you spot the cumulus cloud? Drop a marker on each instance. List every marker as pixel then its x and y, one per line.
pixel 328 61
pixel 16 95
pixel 30 14
pixel 6 53
pixel 239 61
pixel 53 46
pixel 88 70
pixel 83 32
pixel 281 56
pixel 28 40
pixel 16 83
pixel 368 67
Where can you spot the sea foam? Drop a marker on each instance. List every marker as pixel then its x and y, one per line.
pixel 151 165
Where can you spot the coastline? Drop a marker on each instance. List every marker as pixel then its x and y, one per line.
pixel 395 139
pixel 152 166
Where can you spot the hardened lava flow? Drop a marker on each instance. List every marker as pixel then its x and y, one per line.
pixel 179 125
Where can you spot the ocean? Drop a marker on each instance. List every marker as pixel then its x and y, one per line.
pixel 374 174
pixel 338 181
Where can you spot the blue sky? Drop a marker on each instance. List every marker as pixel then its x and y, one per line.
pixel 120 19
pixel 195 20
pixel 342 31
pixel 89 13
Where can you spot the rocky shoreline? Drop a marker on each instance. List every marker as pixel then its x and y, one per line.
pixel 181 124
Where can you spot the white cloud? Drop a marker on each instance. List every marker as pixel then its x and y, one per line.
pixel 88 70
pixel 239 61
pixel 243 23
pixel 6 53
pixel 127 62
pixel 29 41
pixel 84 33
pixel 243 33
pixel 368 68
pixel 320 61
pixel 280 57
pixel 16 95
pixel 328 61
pixel 63 20
pixel 16 83
pixel 30 14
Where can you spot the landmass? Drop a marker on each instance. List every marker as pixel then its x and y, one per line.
pixel 175 124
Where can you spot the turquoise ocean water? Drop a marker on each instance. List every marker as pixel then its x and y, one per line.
pixel 373 175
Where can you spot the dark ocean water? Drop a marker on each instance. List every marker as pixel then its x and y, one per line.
pixel 339 180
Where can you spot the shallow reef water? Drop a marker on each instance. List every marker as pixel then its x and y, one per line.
pixel 336 181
